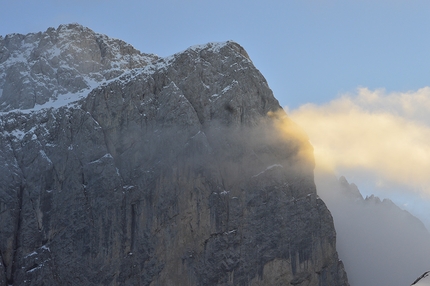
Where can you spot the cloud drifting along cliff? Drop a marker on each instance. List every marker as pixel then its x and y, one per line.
pixel 168 171
pixel 377 136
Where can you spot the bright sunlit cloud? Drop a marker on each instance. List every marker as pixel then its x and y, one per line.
pixel 386 134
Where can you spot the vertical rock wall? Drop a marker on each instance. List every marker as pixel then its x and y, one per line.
pixel 183 172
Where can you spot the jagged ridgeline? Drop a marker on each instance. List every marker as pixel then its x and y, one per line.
pixel 123 168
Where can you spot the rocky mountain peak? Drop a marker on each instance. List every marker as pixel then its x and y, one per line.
pixel 350 189
pixel 39 67
pixel 164 171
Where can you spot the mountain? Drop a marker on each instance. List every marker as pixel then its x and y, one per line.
pixel 45 67
pixel 423 280
pixel 123 168
pixel 380 243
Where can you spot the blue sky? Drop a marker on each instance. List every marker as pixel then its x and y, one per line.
pixel 310 51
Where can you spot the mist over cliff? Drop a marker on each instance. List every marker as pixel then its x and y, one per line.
pixel 123 168
pixel 380 243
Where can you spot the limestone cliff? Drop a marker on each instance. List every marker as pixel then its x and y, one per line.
pixel 168 171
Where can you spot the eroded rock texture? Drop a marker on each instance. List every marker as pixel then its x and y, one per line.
pixel 181 171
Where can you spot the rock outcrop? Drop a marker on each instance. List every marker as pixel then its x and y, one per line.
pixel 171 171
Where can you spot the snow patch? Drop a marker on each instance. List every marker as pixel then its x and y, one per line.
pixel 43 154
pixel 18 134
pixel 268 168
pixel 212 47
pixel 35 268
pixel 66 99
pixel 230 232
pixel 31 254
pixel 192 137
pixel 230 86
pixel 107 155
pixel 62 100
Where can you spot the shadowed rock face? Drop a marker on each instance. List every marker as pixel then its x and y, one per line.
pixel 182 171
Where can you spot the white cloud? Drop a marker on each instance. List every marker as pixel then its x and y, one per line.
pixel 386 134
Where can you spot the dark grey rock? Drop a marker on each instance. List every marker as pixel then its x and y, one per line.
pixel 37 68
pixel 175 173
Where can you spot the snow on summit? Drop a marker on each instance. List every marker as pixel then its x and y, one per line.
pixel 62 64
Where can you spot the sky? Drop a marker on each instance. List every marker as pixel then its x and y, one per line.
pixel 356 70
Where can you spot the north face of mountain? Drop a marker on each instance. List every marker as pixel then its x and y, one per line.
pixel 170 171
